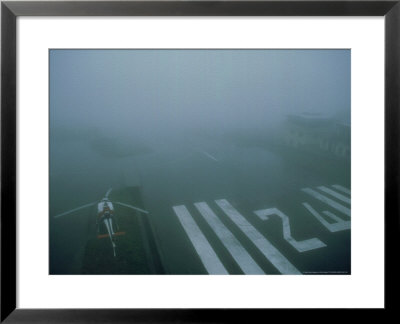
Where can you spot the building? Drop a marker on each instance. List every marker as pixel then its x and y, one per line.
pixel 319 134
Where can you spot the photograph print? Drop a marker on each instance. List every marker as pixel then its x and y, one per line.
pixel 200 161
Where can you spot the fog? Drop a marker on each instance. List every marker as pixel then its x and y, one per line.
pixel 156 93
pixel 168 128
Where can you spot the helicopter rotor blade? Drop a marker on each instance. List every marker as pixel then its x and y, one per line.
pixel 132 207
pixel 108 192
pixel 74 210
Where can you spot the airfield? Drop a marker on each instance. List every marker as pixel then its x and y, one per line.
pixel 217 205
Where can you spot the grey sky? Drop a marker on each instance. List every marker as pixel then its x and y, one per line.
pixel 161 90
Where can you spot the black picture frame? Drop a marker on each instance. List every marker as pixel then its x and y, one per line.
pixel 10 10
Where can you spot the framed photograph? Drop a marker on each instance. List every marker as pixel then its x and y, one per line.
pixel 197 160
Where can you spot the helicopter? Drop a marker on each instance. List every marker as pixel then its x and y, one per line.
pixel 105 216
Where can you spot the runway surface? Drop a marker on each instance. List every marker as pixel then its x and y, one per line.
pixel 214 207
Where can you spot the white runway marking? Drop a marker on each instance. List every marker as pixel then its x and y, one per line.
pixel 132 207
pixel 335 227
pixel 332 216
pixel 266 247
pixel 335 194
pixel 74 210
pixel 342 189
pixel 327 201
pixel 340 224
pixel 209 155
pixel 239 254
pixel 203 248
pixel 300 246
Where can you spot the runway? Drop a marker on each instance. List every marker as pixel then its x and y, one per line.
pixel 220 208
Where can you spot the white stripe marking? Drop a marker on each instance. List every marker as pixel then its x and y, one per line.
pixel 336 227
pixel 341 225
pixel 209 155
pixel 335 194
pixel 266 247
pixel 239 254
pixel 300 246
pixel 332 216
pixel 342 189
pixel 327 201
pixel 203 248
